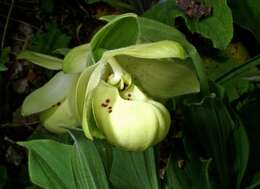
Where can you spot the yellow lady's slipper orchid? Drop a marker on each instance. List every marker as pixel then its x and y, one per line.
pixel 129 119
pixel 113 98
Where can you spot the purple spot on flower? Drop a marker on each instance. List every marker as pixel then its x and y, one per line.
pixel 104 105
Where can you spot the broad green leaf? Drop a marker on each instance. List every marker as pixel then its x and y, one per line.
pixel 217 27
pixel 134 170
pixel 51 93
pixel 120 32
pixel 210 124
pixel 76 60
pixel 106 153
pixel 247 15
pixel 255 182
pixel 250 116
pixel 156 50
pixel 161 78
pixel 241 149
pixel 198 172
pixel 50 164
pixel 151 31
pixel 176 177
pixel 88 169
pixel 42 60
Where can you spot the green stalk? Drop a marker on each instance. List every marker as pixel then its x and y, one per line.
pixel 197 62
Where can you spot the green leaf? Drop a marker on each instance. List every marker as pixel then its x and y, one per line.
pixel 42 60
pixel 241 149
pixel 134 170
pixel 51 93
pixel 255 182
pixel 49 41
pixel 194 173
pixel 210 125
pixel 88 169
pixel 50 164
pixel 176 177
pixel 247 15
pixel 106 153
pixel 161 78
pixel 250 116
pixel 120 32
pixel 218 27
pixel 76 60
pixel 198 171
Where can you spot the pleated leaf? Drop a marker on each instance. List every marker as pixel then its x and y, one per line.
pixel 176 177
pixel 49 164
pixel 88 169
pixel 210 125
pixel 241 148
pixel 134 170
